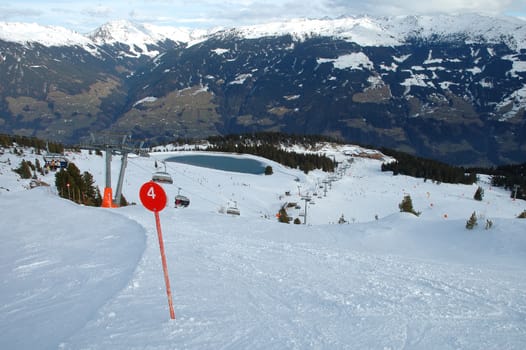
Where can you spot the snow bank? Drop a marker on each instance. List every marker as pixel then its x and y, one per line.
pixel 59 263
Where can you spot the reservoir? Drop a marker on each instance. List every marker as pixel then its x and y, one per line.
pixel 219 162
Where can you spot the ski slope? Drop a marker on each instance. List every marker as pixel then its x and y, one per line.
pixel 77 277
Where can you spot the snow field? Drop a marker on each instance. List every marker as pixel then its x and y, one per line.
pixel 399 282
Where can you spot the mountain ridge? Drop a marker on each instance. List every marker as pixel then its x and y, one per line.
pixel 392 30
pixel 424 85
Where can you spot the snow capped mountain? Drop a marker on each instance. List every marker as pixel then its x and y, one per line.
pixel 124 32
pixel 141 38
pixel 393 31
pixel 472 28
pixel 24 33
pixel 363 30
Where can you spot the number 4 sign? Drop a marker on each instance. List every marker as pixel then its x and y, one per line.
pixel 153 198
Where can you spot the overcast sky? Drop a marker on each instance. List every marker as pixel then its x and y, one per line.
pixel 85 16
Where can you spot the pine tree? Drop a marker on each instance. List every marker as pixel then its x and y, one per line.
pixel 479 194
pixel 472 221
pixel 406 205
pixel 24 170
pixel 39 167
pixel 98 198
pixel 123 201
pixel 489 224
pixel 88 189
pixel 283 216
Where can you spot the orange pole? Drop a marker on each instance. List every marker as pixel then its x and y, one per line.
pixel 165 266
pixel 107 201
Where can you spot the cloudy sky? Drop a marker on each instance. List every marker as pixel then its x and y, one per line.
pixel 84 16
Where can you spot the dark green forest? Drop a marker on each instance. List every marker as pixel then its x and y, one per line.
pixel 427 169
pixel 273 138
pixel 511 177
pixel 77 187
pixel 9 140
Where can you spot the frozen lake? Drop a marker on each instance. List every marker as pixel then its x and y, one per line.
pixel 221 162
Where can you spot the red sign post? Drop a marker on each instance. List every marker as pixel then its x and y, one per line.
pixel 153 198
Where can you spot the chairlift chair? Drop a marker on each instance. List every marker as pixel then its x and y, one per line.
pixel 181 201
pixel 233 210
pixel 162 176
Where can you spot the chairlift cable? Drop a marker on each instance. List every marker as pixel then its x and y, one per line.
pixel 196 182
pixel 193 180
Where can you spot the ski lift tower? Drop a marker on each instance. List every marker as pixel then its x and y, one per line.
pixel 113 144
pixel 325 182
pixel 515 189
pixel 306 199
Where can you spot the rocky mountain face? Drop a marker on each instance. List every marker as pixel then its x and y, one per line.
pixel 451 89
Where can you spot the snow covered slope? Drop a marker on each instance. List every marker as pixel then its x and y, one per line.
pixel 90 278
pixel 60 263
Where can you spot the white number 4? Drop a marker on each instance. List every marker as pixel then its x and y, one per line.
pixel 151 193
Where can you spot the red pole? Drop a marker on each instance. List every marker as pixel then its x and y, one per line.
pixel 165 267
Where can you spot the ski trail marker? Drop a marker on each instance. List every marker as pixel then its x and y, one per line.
pixel 154 199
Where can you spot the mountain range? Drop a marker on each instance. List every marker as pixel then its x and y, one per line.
pixel 451 88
